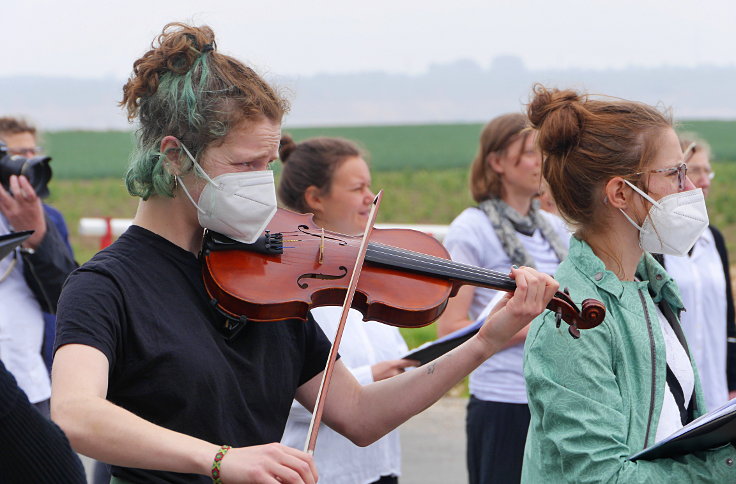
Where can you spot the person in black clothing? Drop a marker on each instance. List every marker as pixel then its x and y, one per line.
pixel 34 449
pixel 146 375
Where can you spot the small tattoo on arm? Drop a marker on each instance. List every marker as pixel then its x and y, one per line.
pixel 431 367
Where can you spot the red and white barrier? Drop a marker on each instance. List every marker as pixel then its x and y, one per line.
pixel 108 229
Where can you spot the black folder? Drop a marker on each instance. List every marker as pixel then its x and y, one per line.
pixel 434 349
pixel 709 431
pixel 10 241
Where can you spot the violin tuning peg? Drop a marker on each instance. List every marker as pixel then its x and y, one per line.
pixel 558 318
pixel 574 331
pixel 566 291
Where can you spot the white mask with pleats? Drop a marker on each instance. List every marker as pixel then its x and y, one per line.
pixel 238 205
pixel 674 222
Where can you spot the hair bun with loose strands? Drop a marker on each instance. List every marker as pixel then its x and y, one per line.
pixel 559 117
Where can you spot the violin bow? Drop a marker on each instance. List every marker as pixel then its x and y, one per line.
pixel 332 358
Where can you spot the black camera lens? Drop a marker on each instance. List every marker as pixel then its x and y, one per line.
pixel 36 169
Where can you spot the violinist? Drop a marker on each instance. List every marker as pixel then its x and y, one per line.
pixel 330 178
pixel 616 171
pixel 146 375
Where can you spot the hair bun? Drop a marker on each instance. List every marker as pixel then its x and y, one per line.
pixel 175 50
pixel 558 116
pixel 287 145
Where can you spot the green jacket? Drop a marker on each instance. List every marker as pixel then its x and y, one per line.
pixel 596 400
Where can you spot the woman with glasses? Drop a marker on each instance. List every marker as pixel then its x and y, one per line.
pixel 615 169
pixel 705 285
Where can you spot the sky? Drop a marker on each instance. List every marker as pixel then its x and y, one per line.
pixel 93 40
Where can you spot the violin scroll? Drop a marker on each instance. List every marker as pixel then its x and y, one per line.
pixel 592 314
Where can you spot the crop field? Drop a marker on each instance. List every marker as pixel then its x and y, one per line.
pixel 87 155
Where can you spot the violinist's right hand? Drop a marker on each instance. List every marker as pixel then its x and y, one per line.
pixel 533 292
pixel 267 464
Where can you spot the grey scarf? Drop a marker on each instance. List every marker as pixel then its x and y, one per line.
pixel 506 222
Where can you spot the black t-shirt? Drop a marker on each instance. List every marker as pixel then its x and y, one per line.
pixel 142 303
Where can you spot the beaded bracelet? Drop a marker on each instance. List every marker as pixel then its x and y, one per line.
pixel 217 462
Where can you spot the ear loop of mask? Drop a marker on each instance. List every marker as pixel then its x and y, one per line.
pixel 200 171
pixel 646 197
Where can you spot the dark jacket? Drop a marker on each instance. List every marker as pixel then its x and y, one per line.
pixel 45 268
pixel 34 449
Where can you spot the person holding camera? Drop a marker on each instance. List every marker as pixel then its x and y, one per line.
pixel 31 278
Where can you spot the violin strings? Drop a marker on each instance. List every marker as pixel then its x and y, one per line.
pixel 408 254
pixel 445 264
pixel 430 261
pixel 382 249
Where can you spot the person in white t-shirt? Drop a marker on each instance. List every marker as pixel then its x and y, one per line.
pixel 330 178
pixel 705 286
pixel 506 228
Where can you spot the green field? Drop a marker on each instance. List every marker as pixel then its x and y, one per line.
pixel 87 154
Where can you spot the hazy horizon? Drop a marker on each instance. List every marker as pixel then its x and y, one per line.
pixel 448 93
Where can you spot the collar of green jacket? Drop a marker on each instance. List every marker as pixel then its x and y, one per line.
pixel 661 286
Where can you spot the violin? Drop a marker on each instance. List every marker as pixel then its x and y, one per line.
pixel 406 280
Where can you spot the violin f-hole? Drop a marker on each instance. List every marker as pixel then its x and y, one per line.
pixel 315 275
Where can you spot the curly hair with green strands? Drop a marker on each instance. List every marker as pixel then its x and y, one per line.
pixel 183 87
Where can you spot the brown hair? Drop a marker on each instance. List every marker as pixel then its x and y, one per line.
pixel 184 88
pixel 585 142
pixel 10 125
pixel 310 163
pixel 496 137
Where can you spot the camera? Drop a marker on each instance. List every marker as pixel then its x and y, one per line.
pixel 36 169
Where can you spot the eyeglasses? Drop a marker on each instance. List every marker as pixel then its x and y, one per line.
pixel 26 152
pixel 680 170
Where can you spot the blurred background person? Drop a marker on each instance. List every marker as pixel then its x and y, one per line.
pixel 22 138
pixel 704 280
pixel 31 278
pixel 546 201
pixel 330 178
pixel 506 228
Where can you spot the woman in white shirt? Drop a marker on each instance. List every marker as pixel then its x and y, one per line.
pixel 329 178
pixel 705 286
pixel 506 228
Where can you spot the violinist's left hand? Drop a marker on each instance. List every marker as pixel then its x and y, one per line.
pixel 533 292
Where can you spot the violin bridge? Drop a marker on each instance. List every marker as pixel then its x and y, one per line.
pixel 322 246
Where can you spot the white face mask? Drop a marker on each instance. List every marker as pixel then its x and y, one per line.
pixel 238 205
pixel 673 223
